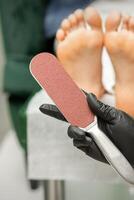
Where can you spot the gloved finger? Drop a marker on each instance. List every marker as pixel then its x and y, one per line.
pixel 95 152
pixel 52 111
pixel 82 149
pixel 84 92
pixel 76 133
pixel 82 142
pixel 91 149
pixel 103 126
pixel 100 109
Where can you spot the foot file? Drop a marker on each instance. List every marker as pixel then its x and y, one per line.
pixel 71 101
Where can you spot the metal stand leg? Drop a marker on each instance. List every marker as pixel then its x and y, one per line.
pixel 34 184
pixel 54 190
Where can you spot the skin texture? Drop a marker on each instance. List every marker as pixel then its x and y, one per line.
pixel 120 46
pixel 79 49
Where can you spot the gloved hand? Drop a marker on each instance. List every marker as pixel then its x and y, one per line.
pixel 116 124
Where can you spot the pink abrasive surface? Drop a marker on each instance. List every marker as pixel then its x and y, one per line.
pixel 69 99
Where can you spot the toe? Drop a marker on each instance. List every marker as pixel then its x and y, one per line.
pixel 73 20
pixel 93 18
pixel 125 22
pixel 60 35
pixel 80 17
pixel 65 25
pixel 131 24
pixel 113 21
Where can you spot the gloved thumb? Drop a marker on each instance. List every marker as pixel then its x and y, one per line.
pixel 101 110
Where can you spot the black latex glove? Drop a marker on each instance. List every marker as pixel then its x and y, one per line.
pixel 116 124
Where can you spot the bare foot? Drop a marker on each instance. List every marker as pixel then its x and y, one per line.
pixel 79 49
pixel 120 46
